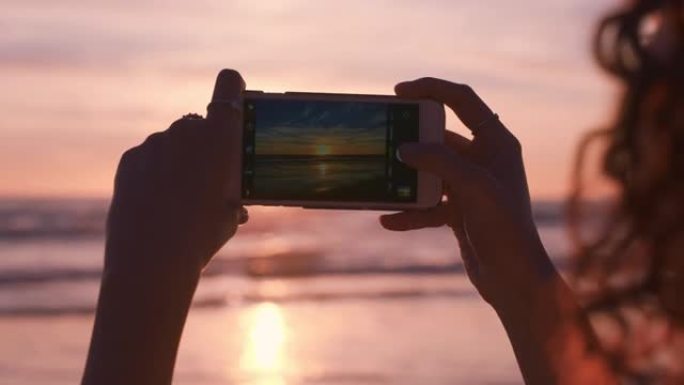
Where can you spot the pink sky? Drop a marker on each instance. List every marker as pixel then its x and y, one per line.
pixel 82 82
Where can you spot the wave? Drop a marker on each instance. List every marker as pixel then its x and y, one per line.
pixel 249 298
pixel 35 276
pixel 50 252
pixel 55 219
pixel 14 277
pixel 85 218
pixel 11 278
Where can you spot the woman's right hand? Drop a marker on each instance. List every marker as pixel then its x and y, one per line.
pixel 488 203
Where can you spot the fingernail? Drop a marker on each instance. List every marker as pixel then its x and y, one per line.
pixel 243 216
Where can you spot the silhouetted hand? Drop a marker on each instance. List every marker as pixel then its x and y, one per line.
pixel 177 195
pixel 488 203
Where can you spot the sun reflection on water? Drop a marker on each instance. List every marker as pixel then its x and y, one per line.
pixel 322 168
pixel 263 357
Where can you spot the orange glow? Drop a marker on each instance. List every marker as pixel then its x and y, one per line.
pixel 263 355
pixel 322 149
pixel 68 114
pixel 322 169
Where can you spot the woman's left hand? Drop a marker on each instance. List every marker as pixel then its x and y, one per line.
pixel 177 195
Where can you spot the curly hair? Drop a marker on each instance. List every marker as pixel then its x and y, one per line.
pixel 620 271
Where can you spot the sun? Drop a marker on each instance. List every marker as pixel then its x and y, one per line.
pixel 322 149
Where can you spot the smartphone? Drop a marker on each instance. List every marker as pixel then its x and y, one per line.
pixel 336 151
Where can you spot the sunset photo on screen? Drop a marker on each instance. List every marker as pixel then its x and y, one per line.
pixel 319 150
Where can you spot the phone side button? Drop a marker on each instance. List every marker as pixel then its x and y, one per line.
pixel 320 207
pixel 300 93
pixel 333 208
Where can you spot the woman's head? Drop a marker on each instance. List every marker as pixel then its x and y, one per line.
pixel 636 265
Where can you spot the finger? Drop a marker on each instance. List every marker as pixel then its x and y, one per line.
pixel 457 142
pixel 226 101
pixel 184 135
pixel 224 117
pixel 243 215
pixel 437 159
pixel 154 154
pixel 415 219
pixel 467 105
pixel 468 255
pixel 153 140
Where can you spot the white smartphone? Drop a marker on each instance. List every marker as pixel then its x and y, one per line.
pixel 336 151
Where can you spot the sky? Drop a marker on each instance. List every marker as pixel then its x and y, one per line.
pixel 320 128
pixel 83 81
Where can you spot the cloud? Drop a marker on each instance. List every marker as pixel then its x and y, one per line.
pixel 297 127
pixel 132 67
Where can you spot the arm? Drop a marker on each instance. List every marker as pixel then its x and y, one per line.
pixel 137 329
pixel 552 340
pixel 176 202
pixel 488 208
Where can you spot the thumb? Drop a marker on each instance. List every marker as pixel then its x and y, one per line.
pixel 463 179
pixel 224 117
pixel 437 159
pixel 226 101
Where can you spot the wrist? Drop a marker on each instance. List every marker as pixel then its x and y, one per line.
pixel 154 278
pixel 535 293
pixel 143 261
pixel 140 318
pixel 531 280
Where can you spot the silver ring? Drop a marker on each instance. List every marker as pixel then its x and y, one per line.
pixel 192 116
pixel 493 117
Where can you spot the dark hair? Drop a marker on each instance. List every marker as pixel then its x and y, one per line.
pixel 620 272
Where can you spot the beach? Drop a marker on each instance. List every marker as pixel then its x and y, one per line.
pixel 436 339
pixel 297 297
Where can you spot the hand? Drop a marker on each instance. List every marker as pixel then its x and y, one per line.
pixel 177 195
pixel 488 203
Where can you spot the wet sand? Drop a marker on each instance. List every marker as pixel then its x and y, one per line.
pixel 415 338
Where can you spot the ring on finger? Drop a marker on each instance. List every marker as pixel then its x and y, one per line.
pixel 489 119
pixel 192 116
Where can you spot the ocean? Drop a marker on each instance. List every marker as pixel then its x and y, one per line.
pixel 296 297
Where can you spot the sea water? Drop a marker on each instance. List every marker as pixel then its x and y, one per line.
pixel 298 296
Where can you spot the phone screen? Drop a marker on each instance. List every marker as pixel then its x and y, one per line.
pixel 313 150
